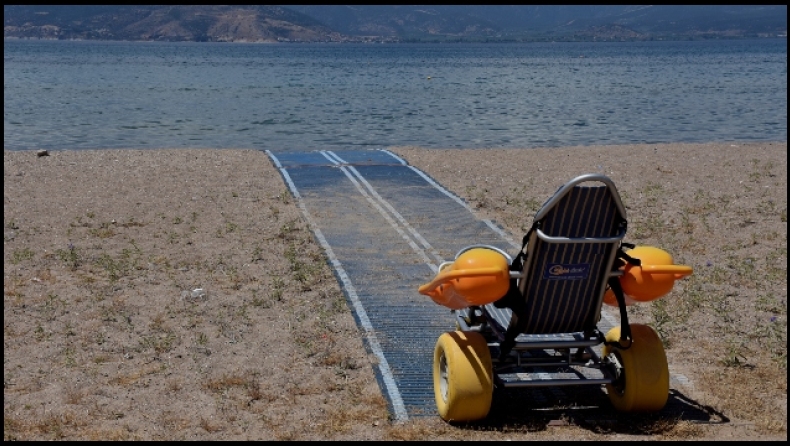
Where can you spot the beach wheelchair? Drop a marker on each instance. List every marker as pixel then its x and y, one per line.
pixel 532 320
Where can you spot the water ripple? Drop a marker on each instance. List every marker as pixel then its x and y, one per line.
pixel 84 95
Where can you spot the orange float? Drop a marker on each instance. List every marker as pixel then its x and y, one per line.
pixel 650 281
pixel 478 276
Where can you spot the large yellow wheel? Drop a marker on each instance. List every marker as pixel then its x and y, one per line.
pixel 642 373
pixel 462 376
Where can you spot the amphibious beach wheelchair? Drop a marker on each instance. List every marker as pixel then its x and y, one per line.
pixel 532 320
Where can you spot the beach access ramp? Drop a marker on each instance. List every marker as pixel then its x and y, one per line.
pixel 386 227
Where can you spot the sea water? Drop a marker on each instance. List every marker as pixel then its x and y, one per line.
pixel 301 97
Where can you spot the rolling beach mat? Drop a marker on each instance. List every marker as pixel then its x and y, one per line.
pixel 386 227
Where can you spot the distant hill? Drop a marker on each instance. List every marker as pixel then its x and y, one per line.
pixel 577 22
pixel 168 23
pixel 344 23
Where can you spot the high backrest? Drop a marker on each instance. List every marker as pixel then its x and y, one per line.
pixel 570 254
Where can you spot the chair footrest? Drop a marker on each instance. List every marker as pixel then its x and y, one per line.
pixel 554 337
pixel 551 376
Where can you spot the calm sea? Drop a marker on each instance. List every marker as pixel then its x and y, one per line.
pixel 293 97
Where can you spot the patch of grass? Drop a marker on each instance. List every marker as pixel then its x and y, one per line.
pixel 275 295
pixel 769 303
pixel 117 268
pixel 254 391
pixel 662 320
pixel 20 255
pixel 652 191
pixel 518 197
pixel 694 296
pixel 134 376
pixel 230 227
pixel 70 256
pixel 703 203
pixel 158 343
pixel 236 279
pixel 301 271
pixel 173 237
pixel 40 334
pixel 288 230
pixel 761 169
pixel 275 212
pixel 771 337
pixel 734 355
pixel 201 339
pixel 481 199
pixel 337 301
pixel 105 230
pixel 51 305
pixel 285 196
pixel 74 395
pixel 775 269
pixel 68 357
pixel 16 289
pixel 131 223
pixel 174 385
pixel 306 342
pixel 257 253
pixel 298 268
pixel 743 271
pixel 157 323
pixel 209 426
pixel 748 393
pixel 69 329
pixel 649 228
pixel 79 223
pixel 687 225
pixel 225 382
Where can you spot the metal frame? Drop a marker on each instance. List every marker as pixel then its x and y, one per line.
pixel 547 351
pixel 557 354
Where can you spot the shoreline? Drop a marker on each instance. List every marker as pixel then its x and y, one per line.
pixel 595 146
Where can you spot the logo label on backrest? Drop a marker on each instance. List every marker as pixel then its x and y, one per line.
pixel 566 271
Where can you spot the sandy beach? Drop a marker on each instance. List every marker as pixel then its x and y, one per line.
pixel 179 293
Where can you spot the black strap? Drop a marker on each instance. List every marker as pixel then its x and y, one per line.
pixel 622 255
pixel 625 327
pixel 614 284
pixel 518 262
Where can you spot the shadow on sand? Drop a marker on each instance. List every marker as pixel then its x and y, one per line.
pixel 531 410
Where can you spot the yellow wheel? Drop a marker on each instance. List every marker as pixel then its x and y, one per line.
pixel 642 373
pixel 462 376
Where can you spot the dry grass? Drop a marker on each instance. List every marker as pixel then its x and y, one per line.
pixel 104 338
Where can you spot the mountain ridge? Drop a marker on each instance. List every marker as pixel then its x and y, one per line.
pixel 399 23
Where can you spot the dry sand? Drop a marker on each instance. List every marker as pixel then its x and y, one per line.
pixel 106 335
